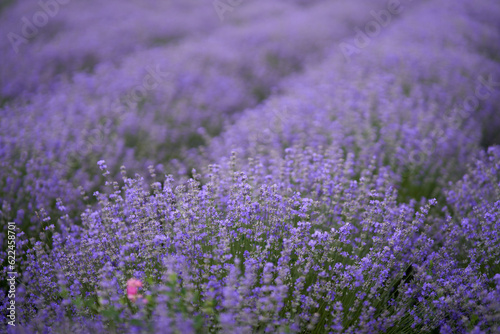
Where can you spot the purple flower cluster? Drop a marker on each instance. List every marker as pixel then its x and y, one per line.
pixel 153 107
pixel 287 191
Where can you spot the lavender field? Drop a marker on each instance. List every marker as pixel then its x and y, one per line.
pixel 250 166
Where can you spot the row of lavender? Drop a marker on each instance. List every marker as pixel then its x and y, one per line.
pixel 320 221
pixel 151 107
pixel 422 111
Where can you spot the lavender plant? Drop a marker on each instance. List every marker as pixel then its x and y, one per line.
pixel 326 197
pixel 196 86
pixel 263 259
pixel 404 107
pixel 218 253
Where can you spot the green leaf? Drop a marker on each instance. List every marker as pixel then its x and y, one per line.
pixel 91 304
pixel 198 322
pixel 136 322
pixel 78 302
pixel 473 319
pixel 173 278
pixel 63 293
pixel 111 314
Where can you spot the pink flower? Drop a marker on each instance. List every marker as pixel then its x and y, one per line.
pixel 132 289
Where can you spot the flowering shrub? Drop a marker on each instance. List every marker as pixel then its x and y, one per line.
pixel 245 258
pixel 196 85
pixel 406 108
pixel 289 191
pixel 265 253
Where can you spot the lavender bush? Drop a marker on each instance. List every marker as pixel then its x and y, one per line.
pixel 136 114
pixel 171 171
pixel 409 109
